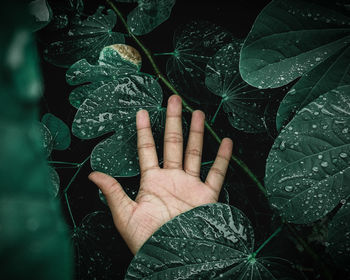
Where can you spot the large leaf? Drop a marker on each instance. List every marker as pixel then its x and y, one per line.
pixel 308 168
pixel 114 61
pixel 148 15
pixel 117 90
pixel 243 104
pixel 59 130
pixel 85 39
pixel 328 75
pixel 288 39
pixel 213 241
pixel 194 44
pixel 100 251
pixel 339 237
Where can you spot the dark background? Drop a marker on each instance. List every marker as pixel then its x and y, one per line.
pixel 238 18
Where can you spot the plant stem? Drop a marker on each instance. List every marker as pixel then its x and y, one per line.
pixel 65 191
pixel 184 103
pixel 207 162
pixel 63 162
pixel 164 53
pixel 217 111
pixel 277 231
pixel 69 210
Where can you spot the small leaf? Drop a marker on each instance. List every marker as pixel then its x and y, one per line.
pixel 55 182
pixel 213 241
pixel 59 130
pixel 85 39
pixel 47 140
pixel 148 15
pixel 330 74
pixel 307 167
pixel 41 13
pixel 194 44
pixel 243 104
pixel 339 237
pixel 288 39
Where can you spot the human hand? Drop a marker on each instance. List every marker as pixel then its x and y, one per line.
pixel 169 191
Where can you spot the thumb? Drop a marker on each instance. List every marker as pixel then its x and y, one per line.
pixel 119 202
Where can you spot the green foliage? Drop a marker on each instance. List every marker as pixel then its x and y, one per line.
pixel 194 44
pixel 308 166
pixel 84 39
pixel 339 237
pixel 213 241
pixel 59 131
pixel 288 39
pixel 41 13
pixel 148 15
pixel 33 235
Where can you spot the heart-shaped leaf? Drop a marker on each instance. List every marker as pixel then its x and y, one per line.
pixel 288 39
pixel 339 237
pixel 114 61
pixel 55 181
pixel 307 167
pixel 85 39
pixel 148 15
pixel 213 241
pixel 243 104
pixel 194 44
pixel 59 130
pixel 330 74
pixel 47 140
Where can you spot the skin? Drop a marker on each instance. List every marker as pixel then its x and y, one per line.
pixel 169 191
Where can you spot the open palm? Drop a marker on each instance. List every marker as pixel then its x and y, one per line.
pixel 169 191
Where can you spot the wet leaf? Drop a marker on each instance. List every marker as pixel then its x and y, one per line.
pixel 288 39
pixel 330 74
pixel 309 162
pixel 55 181
pixel 148 15
pixel 243 104
pixel 46 139
pixel 114 61
pixel 85 39
pixel 59 130
pixel 41 13
pixel 100 252
pixel 339 237
pixel 213 241
pixel 194 44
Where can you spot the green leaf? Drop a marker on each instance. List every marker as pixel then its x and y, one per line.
pixel 100 251
pixel 308 166
pixel 117 90
pixel 47 139
pixel 59 130
pixel 114 61
pixel 288 39
pixel 148 15
pixel 339 237
pixel 243 104
pixel 330 74
pixel 213 241
pixel 41 13
pixel 85 39
pixel 55 181
pixel 194 44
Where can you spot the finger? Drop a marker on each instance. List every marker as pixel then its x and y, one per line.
pixel 173 142
pixel 193 154
pixel 145 143
pixel 217 172
pixel 120 204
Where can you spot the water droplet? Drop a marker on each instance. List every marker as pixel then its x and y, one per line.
pixel 283 145
pixel 315 168
pixel 320 156
pixel 343 155
pixel 324 163
pixel 288 188
pixel 343 201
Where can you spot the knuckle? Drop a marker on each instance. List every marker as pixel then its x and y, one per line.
pixel 218 171
pixel 170 164
pixel 146 145
pixel 194 152
pixel 173 137
pixel 192 172
pixel 223 158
